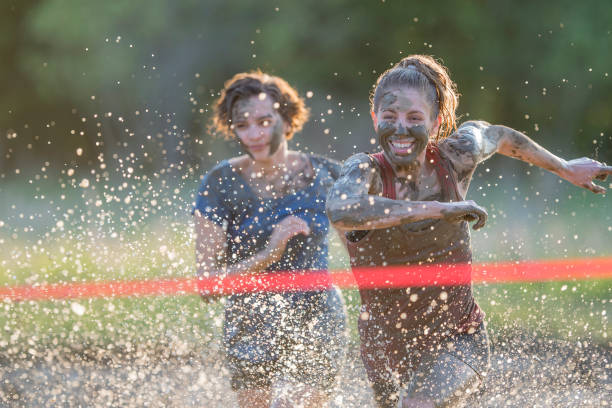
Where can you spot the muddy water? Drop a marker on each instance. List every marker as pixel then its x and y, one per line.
pixel 525 372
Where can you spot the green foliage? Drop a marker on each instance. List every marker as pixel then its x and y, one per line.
pixel 536 66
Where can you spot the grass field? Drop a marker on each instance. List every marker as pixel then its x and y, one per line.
pixel 41 250
pixel 567 310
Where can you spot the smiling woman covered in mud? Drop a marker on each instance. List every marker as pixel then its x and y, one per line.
pixel 264 212
pixel 425 346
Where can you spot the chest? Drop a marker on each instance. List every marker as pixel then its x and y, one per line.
pixel 256 214
pixel 426 188
pixel 277 187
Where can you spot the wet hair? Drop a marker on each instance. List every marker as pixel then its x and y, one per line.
pixel 424 73
pixel 291 106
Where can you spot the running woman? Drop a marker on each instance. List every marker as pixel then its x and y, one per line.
pixel 264 212
pixel 426 346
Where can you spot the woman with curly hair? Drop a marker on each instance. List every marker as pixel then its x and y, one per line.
pixel 261 213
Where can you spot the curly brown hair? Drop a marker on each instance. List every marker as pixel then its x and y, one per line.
pixel 291 106
pixel 425 73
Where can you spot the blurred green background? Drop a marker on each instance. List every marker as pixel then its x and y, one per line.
pixel 103 114
pixel 151 69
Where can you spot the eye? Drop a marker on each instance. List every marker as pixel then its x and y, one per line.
pixel 265 123
pixel 240 125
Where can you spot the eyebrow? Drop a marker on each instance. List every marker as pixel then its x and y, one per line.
pixel 408 113
pixel 241 118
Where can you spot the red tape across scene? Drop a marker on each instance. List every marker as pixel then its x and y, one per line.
pixel 365 278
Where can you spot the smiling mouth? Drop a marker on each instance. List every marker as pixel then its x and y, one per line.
pixel 258 147
pixel 403 145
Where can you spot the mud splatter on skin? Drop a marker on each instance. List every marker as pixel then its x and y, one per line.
pixel 282 178
pixel 278 135
pixel 476 141
pixel 285 180
pixel 466 211
pixel 353 203
pixel 421 191
pixel 406 164
pixel 245 148
pixel 244 107
pixel 388 131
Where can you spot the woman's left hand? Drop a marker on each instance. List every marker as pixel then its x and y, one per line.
pixel 581 172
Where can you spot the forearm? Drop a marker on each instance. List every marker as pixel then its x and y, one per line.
pixel 374 212
pixel 256 263
pixel 515 144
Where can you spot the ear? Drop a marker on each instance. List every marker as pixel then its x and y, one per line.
pixel 374 120
pixel 436 127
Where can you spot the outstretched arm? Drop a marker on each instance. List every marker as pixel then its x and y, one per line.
pixel 476 141
pixel 353 205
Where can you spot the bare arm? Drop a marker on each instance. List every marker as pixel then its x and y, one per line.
pixel 211 246
pixel 352 205
pixel 210 252
pixel 475 141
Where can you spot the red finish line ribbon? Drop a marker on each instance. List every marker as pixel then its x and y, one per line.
pixel 364 278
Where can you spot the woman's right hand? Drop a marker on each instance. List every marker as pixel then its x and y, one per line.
pixel 465 211
pixel 288 228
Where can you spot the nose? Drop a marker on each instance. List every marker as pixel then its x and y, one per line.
pixel 254 133
pixel 402 130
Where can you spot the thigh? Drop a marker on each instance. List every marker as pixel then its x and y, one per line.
pixel 314 351
pixel 248 375
pixel 451 376
pixel 386 393
pixel 446 381
pixel 249 333
pixel 382 374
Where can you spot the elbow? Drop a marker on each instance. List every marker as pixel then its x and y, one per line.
pixel 337 214
pixel 340 215
pixel 334 213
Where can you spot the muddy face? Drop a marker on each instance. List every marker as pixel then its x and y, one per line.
pixel 258 126
pixel 402 145
pixel 403 124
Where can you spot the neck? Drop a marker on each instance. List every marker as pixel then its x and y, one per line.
pixel 274 163
pixel 410 171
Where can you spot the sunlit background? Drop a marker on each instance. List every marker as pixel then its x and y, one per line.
pixel 104 109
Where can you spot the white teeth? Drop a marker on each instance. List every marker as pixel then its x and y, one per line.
pixel 403 144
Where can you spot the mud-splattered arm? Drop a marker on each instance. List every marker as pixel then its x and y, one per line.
pixel 475 141
pixel 352 203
